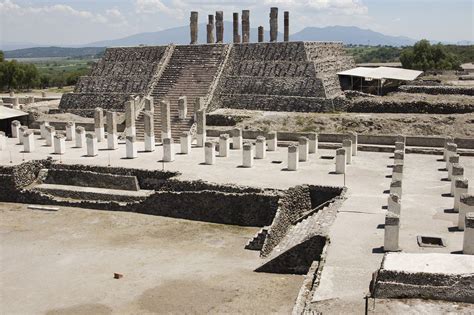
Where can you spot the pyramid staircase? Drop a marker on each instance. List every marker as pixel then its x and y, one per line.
pixel 192 71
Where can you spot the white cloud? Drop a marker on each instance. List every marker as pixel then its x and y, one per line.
pixel 341 6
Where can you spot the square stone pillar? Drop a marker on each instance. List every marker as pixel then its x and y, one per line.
pixel 28 141
pixel 394 204
pixel 224 145
pixel 165 120
pixel 201 127
pixel 50 133
pixel 451 149
pixel 237 139
pixel 59 144
pixel 131 147
pixel 273 24
pixel 392 231
pixel 353 137
pixel 15 125
pixel 347 144
pixel 149 104
pixel 210 29
pixel 401 138
pixel 341 161
pixel 91 141
pixel 398 157
pixel 21 132
pixel 70 131
pixel 468 242
pixel 185 142
pixel 286 26
pixel 235 28
pixel 466 205
pixel 293 157
pixel 198 105
pixel 396 187
pixel 272 141
pixel 3 141
pixel 247 155
pixel 245 26
pixel 130 128
pixel 43 125
pixel 400 146
pixel 112 136
pixel 80 137
pixel 149 131
pixel 313 142
pixel 182 107
pixel 209 153
pixel 261 148
pixel 303 148
pixel 99 124
pixel 168 150
pixel 219 27
pixel 194 27
pixel 261 34
pixel 456 173
pixel 460 188
pixel 15 103
pixel 397 172
pixel 453 159
pixel 446 141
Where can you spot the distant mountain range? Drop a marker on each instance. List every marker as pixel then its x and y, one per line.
pixel 349 35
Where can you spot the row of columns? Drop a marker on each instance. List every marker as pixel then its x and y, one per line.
pixel 344 155
pixel 236 37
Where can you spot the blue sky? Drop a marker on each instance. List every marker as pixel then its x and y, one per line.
pixel 71 22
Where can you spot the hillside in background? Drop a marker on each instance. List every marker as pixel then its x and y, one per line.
pixel 54 52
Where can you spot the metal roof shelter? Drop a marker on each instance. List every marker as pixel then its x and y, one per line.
pixel 375 80
pixel 7 113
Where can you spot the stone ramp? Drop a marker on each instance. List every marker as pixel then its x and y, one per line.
pixel 92 193
pixel 191 71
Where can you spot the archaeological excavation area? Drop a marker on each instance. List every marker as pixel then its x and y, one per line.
pixel 198 179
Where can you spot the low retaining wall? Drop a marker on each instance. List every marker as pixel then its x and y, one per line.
pixel 436 90
pixel 372 105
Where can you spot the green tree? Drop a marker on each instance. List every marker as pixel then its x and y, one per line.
pixel 2 56
pixel 424 56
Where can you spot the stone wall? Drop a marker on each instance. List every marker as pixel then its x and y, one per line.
pixel 437 90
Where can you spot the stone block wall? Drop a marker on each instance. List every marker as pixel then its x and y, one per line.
pixel 438 90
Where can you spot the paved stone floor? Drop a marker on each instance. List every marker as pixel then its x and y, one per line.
pixel 357 234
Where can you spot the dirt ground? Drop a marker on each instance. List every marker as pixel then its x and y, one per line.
pixel 63 263
pixel 458 125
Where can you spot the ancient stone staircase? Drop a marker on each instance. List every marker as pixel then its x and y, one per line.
pixel 191 72
pixel 256 243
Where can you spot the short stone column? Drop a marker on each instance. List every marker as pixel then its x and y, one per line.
pixel 149 131
pixel 28 141
pixel 21 132
pixel 341 161
pixel 451 149
pixel 80 137
pixel 286 26
pixel 15 103
pixel 3 141
pixel 466 205
pixel 303 148
pixel 353 137
pixel 198 105
pixel 273 24
pixel 453 159
pixel 401 138
pixel 130 129
pixel 201 127
pixel 112 136
pixel 468 242
pixel 224 145
pixel 313 142
pixel 43 125
pixel 209 153
pixel 447 140
pixel 392 231
pixel 460 188
pixel 182 107
pixel 272 141
pixel 15 125
pixel 43 94
pixel 456 173
pixel 261 148
pixel 400 146
pixel 150 104
pixel 131 147
pixel 347 145
pixel 185 142
pixel 219 27
pixel 168 150
pixel 70 131
pixel 237 139
pixel 12 93
pixel 398 157
pixel 394 204
pixel 397 172
pixel 50 133
pixel 396 187
pixel 165 120
pixel 293 157
pixel 99 124
pixel 91 141
pixel 210 29
pixel 247 155
pixel 59 144
pixel 245 26
pixel 194 27
pixel 261 34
